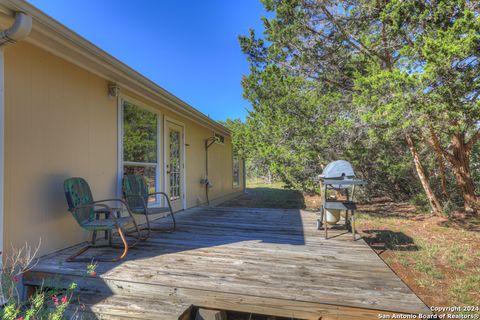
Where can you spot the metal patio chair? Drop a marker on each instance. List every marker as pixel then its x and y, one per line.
pixel 135 192
pixel 87 213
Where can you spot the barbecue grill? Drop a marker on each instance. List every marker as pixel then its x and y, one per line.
pixel 338 176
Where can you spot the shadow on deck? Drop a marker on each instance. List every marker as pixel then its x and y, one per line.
pixel 266 261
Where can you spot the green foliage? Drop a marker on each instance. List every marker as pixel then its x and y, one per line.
pixel 45 304
pixel 239 134
pixel 349 79
pixel 140 134
pixel 48 304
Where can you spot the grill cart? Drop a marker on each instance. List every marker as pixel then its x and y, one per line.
pixel 340 177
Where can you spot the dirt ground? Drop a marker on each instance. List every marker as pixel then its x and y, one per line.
pixel 437 257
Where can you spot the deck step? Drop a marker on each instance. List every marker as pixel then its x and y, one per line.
pixel 94 306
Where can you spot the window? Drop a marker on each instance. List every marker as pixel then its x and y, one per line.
pixel 140 143
pixel 236 172
pixel 175 162
pixel 219 139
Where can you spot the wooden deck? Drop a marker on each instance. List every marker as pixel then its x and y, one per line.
pixel 267 261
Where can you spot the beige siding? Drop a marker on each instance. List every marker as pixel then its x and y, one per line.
pixel 60 122
pixel 220 158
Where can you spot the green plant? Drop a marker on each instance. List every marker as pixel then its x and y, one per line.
pixel 45 303
pixel 428 268
pixel 449 207
pixel 91 269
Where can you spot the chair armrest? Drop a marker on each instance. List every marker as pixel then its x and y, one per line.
pixel 166 196
pixel 116 209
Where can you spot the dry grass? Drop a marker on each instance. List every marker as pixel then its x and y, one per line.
pixel 262 195
pixel 443 266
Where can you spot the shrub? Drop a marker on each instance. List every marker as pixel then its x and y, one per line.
pixel 45 303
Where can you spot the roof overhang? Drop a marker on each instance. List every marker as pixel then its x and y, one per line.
pixel 57 39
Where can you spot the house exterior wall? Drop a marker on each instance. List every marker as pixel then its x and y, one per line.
pixel 219 157
pixel 60 123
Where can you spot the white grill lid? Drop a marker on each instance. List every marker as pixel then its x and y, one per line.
pixel 338 169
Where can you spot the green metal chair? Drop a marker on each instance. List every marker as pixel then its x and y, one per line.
pixel 87 213
pixel 135 192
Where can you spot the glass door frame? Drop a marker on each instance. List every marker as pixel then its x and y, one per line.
pixel 165 157
pixel 121 162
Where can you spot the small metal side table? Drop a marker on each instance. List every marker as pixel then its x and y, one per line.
pixel 348 205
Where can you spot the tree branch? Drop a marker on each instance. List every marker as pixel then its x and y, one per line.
pixel 360 47
pixel 435 143
pixel 334 83
pixel 473 140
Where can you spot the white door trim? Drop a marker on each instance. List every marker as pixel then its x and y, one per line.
pixel 165 148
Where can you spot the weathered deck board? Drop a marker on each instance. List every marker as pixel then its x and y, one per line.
pixel 255 260
pixel 124 307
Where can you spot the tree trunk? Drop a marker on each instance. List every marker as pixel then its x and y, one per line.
pixel 440 161
pixel 460 162
pixel 432 198
pixel 443 178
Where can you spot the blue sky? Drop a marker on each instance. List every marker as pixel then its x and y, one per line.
pixel 189 48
